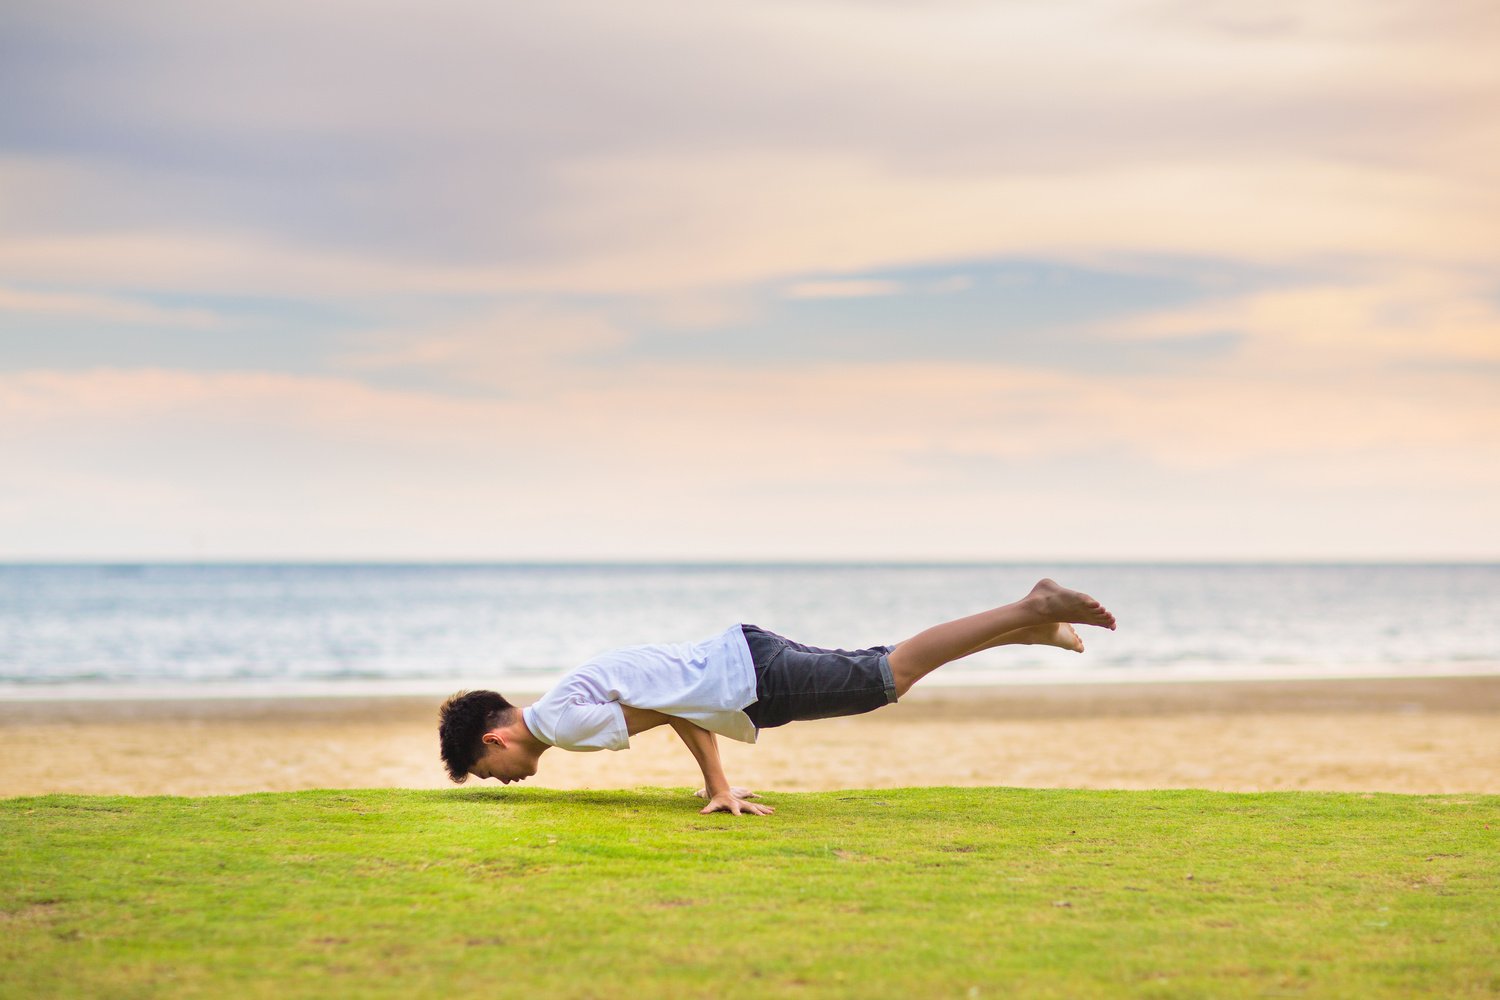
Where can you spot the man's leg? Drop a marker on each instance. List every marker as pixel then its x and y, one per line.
pixel 1059 634
pixel 1047 604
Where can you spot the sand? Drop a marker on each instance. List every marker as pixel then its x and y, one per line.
pixel 1423 735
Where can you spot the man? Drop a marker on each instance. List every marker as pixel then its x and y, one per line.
pixel 734 684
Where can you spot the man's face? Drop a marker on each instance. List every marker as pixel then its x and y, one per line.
pixel 505 763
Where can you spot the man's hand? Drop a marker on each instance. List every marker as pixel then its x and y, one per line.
pixel 731 803
pixel 724 798
pixel 736 791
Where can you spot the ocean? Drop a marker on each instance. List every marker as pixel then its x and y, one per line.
pixel 172 630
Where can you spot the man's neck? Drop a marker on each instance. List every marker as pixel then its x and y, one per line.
pixel 523 733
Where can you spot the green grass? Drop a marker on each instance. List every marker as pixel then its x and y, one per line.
pixel 903 893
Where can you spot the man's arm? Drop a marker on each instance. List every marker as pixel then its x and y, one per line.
pixel 705 749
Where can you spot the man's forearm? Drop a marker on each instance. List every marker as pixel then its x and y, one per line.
pixel 705 749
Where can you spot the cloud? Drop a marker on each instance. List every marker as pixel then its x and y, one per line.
pixel 672 225
pixel 573 147
pixel 497 214
pixel 851 288
pixel 866 288
pixel 699 459
pixel 750 217
pixel 206 262
pixel 949 285
pixel 1380 319
pixel 517 347
pixel 102 308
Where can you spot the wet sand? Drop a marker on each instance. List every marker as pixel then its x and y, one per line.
pixel 1419 735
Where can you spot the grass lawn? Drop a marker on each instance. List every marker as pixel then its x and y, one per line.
pixel 923 892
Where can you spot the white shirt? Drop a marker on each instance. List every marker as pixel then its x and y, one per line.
pixel 709 683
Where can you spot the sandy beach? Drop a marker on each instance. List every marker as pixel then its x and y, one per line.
pixel 1389 735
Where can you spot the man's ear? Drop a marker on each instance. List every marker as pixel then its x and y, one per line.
pixel 494 739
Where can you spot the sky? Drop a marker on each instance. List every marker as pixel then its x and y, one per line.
pixel 868 279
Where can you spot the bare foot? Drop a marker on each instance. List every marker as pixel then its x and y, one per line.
pixel 1059 634
pixel 1058 604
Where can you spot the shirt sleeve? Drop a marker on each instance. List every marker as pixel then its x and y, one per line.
pixel 585 725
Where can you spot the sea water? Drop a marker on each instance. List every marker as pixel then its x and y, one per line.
pixel 185 630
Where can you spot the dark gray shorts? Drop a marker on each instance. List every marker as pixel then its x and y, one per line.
pixel 795 682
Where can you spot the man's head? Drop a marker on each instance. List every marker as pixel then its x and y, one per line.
pixel 482 734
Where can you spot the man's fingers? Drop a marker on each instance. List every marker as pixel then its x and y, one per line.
pixel 735 806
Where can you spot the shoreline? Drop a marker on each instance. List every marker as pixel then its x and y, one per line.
pixel 1434 692
pixel 1408 734
pixel 969 681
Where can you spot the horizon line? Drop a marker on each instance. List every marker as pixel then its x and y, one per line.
pixel 720 562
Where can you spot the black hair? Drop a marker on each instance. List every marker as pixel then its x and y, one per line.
pixel 462 722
